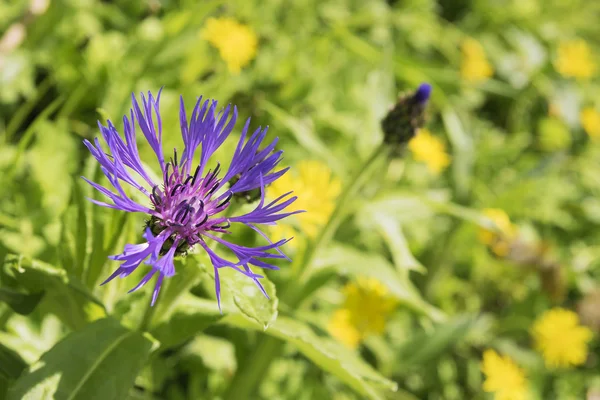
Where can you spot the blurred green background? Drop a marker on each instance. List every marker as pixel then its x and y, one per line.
pixel 463 266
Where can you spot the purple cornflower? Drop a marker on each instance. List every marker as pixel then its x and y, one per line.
pixel 187 207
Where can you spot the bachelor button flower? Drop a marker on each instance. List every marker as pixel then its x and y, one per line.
pixel 236 42
pixel 590 120
pixel 504 378
pixel 474 66
pixel 429 149
pixel 365 311
pixel 498 242
pixel 560 338
pixel 317 191
pixel 186 207
pixel 575 59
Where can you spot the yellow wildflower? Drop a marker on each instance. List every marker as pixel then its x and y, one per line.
pixel 499 242
pixel 474 66
pixel 575 59
pixel 429 149
pixel 560 338
pixel 341 328
pixel 284 231
pixel 317 191
pixel 504 377
pixel 236 42
pixel 590 120
pixel 365 311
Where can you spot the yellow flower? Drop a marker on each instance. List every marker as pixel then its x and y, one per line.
pixel 317 191
pixel 499 242
pixel 236 42
pixel 474 66
pixel 504 378
pixel 560 338
pixel 575 59
pixel 341 328
pixel 284 231
pixel 590 120
pixel 429 149
pixel 365 311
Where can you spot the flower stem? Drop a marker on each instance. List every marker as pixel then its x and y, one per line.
pixel 147 318
pixel 249 376
pixel 356 183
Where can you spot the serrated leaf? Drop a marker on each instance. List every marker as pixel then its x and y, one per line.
pixel 65 296
pixel 239 291
pixel 326 353
pixel 100 361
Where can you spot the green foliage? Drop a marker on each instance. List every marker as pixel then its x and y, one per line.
pixel 324 76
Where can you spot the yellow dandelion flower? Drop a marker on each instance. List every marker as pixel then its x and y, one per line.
pixel 560 338
pixel 503 377
pixel 341 328
pixel 366 309
pixel 474 65
pixel 236 42
pixel 499 242
pixel 429 149
pixel 317 190
pixel 590 120
pixel 369 303
pixel 575 59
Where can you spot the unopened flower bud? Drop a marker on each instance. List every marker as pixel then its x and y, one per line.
pixel 406 117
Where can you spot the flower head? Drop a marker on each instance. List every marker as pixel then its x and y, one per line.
pixel 575 59
pixel 590 120
pixel 429 149
pixel 365 310
pixel 504 378
pixel 186 207
pixel 404 119
pixel 499 241
pixel 560 338
pixel 236 42
pixel 474 66
pixel 317 190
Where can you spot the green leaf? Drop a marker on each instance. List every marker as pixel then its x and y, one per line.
pixel 326 353
pixel 191 316
pixel 428 346
pixel 188 273
pixel 22 303
pixel 304 132
pixel 349 261
pixel 215 353
pixel 239 291
pixel 100 361
pixel 401 254
pixel 11 364
pixel 64 296
pixel 463 152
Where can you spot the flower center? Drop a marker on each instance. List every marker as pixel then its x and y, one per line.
pixel 186 205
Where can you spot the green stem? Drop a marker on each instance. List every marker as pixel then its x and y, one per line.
pixel 147 318
pixel 249 376
pixel 22 113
